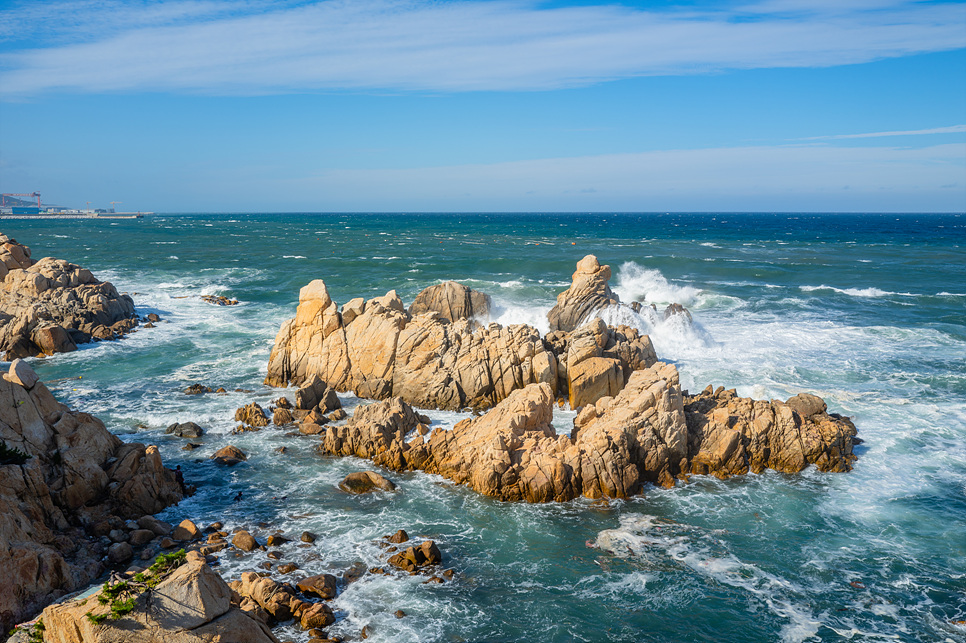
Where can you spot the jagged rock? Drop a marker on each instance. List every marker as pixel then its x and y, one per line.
pixel 588 293
pixel 317 615
pixel 384 353
pixel 78 473
pixel 322 586
pixel 316 393
pixel 192 605
pixel 282 417
pixel 185 430
pixel 50 305
pixel 399 537
pixel 252 414
pixel 198 389
pixel 453 301
pixel 647 433
pixel 415 558
pixel 229 456
pixel 277 599
pixel 365 481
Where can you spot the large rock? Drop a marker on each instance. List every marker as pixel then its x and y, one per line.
pixel 50 306
pixel 453 301
pixel 588 293
pixel 650 432
pixel 192 605
pixel 365 482
pixel 78 474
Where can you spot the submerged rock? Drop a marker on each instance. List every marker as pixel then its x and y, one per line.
pixel 50 306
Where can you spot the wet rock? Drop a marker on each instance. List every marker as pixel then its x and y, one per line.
pixel 186 531
pixel 416 558
pixel 153 317
pixel 191 446
pixel 282 417
pixel 244 541
pixel 229 456
pixel 322 586
pixel 287 568
pixel 276 540
pixel 399 537
pixel 198 389
pixel 219 300
pixel 185 430
pixel 399 614
pixel 252 414
pixel 308 537
pixel 318 615
pixel 365 482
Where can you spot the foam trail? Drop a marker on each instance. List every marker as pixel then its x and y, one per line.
pixel 636 283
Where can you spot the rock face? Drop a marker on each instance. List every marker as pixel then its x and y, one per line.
pixel 50 306
pixel 650 432
pixel 453 301
pixel 588 293
pixel 432 362
pixel 77 476
pixel 193 605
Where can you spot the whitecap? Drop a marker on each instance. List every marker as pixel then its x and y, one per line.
pixel 636 283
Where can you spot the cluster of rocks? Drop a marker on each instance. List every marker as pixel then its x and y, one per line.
pixel 438 354
pixel 634 425
pixel 219 300
pixel 49 306
pixel 73 496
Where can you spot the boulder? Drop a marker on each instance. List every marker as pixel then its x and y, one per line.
pixel 229 456
pixel 244 541
pixel 317 615
pixel 588 292
pixel 185 430
pixel 186 531
pixel 321 586
pixel 316 393
pixel 252 414
pixel 48 306
pixel 365 481
pixel 192 605
pixel 73 473
pixel 417 557
pixel 452 301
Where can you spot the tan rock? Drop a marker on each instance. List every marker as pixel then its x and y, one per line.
pixel 186 531
pixel 366 481
pixel 588 293
pixel 252 414
pixel 452 301
pixel 322 586
pixel 229 455
pixel 244 541
pixel 318 615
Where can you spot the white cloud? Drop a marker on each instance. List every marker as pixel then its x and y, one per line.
pixel 952 129
pixel 254 48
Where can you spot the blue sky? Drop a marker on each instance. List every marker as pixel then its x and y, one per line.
pixel 373 105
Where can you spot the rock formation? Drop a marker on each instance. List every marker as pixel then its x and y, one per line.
pixel 453 301
pixel 192 605
pixel 588 293
pixel 50 306
pixel 64 477
pixel 378 351
pixel 650 432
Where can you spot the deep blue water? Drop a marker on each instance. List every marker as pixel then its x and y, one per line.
pixel 868 311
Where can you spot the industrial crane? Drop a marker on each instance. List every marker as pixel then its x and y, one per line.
pixel 6 194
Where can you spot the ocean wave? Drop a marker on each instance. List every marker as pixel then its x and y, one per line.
pixel 858 292
pixel 295 257
pixel 636 283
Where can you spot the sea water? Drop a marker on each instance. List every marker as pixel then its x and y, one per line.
pixel 867 311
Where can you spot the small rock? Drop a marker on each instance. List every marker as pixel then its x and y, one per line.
pixel 316 616
pixel 186 531
pixel 366 631
pixel 276 540
pixel 399 537
pixel 185 430
pixel 167 543
pixel 153 317
pixel 399 614
pixel 213 527
pixel 197 389
pixel 337 415
pixel 244 541
pixel 308 537
pixel 229 456
pixel 364 482
pixel 287 568
pixel 140 537
pixel 322 586
pixel 191 446
pixel 252 414
pixel 117 535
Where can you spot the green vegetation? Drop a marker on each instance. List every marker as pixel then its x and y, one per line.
pixel 36 633
pixel 122 595
pixel 10 455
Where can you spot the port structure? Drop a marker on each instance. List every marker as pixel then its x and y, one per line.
pixel 6 194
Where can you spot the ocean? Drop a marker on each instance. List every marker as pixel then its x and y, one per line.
pixel 867 311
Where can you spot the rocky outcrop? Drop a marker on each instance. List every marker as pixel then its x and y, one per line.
pixel 67 477
pixel 650 432
pixel 453 301
pixel 50 306
pixel 588 293
pixel 381 352
pixel 192 605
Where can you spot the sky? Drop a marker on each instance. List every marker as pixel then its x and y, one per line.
pixel 485 105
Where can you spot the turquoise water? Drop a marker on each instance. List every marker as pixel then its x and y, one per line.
pixel 867 311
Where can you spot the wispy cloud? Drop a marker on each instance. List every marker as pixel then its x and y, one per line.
pixel 257 47
pixel 953 129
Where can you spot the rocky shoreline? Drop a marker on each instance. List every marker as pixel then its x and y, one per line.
pixel 50 306
pixel 76 501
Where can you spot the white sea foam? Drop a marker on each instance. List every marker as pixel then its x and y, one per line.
pixel 856 292
pixel 293 257
pixel 636 283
